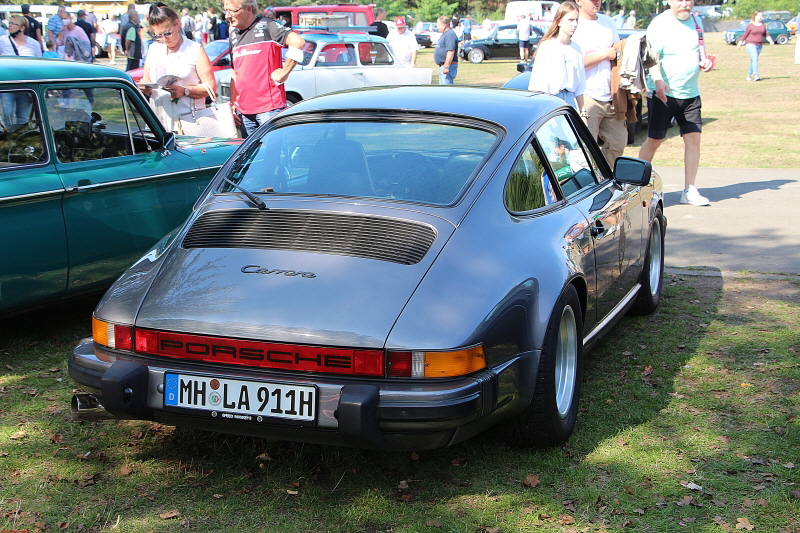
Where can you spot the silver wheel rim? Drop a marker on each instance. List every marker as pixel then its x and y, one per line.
pixel 566 364
pixel 655 258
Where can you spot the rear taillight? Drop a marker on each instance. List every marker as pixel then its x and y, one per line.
pixel 115 336
pixel 419 364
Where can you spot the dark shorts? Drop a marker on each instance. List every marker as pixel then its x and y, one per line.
pixel 523 44
pixel 686 113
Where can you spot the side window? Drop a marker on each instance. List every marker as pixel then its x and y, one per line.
pixel 21 139
pixel 529 186
pixel 507 34
pixel 337 55
pixel 90 124
pixel 571 166
pixel 374 54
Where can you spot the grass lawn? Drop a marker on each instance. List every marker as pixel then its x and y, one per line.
pixel 689 422
pixel 745 124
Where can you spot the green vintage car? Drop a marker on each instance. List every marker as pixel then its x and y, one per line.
pixel 89 178
pixel 776 29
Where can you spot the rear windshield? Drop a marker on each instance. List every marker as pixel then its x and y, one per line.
pixel 420 162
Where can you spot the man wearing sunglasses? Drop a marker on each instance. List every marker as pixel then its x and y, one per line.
pixel 257 92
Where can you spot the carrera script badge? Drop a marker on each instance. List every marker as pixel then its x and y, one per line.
pixel 258 269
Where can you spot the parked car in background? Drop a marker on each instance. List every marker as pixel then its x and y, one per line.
pixel 219 53
pixel 785 16
pixel 394 268
pixel 502 43
pixel 429 29
pixel 89 179
pixel 776 29
pixel 333 62
pixel 326 15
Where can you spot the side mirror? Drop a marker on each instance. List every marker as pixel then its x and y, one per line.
pixel 223 62
pixel 633 171
pixel 521 66
pixel 169 140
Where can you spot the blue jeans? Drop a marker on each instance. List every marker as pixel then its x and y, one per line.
pixel 250 123
pixel 447 79
pixel 753 50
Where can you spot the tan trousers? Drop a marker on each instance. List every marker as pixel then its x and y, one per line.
pixel 603 123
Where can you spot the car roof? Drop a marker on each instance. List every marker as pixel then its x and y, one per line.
pixel 30 69
pixel 342 37
pixel 513 109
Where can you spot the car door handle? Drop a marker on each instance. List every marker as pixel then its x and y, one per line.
pixel 598 229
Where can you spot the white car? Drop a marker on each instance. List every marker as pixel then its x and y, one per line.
pixel 335 62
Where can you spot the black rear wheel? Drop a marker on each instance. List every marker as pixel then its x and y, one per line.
pixel 550 418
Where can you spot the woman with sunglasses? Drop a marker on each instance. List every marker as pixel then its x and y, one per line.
pixel 16 43
pixel 181 59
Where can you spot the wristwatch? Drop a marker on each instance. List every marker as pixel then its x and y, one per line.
pixel 185 91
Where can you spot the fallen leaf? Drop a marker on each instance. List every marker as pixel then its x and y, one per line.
pixel 62 525
pixel 744 385
pixel 639 511
pixel 433 523
pixel 21 434
pixel 169 514
pixel 492 529
pixel 294 484
pixel 628 490
pixel 796 494
pixel 691 486
pixel 458 461
pixel 720 503
pixel 264 457
pixel 414 456
pixel 565 519
pixel 125 471
pixel 788 465
pixel 744 523
pixel 292 492
pixel 405 497
pixel 218 496
pixel 762 502
pixel 532 481
pixel 544 516
pixel 748 502
pixel 403 484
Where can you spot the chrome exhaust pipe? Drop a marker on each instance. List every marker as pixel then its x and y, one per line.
pixel 88 407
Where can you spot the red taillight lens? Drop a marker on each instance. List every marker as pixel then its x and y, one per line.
pixel 146 341
pixel 400 364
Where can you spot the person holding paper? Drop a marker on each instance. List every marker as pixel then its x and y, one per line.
pixel 177 70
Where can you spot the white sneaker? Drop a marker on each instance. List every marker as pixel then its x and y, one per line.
pixel 692 196
pixel 748 77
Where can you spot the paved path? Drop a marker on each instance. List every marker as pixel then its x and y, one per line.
pixel 753 222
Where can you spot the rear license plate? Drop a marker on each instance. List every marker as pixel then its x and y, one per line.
pixel 239 399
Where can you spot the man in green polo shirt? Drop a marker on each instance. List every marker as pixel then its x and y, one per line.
pixel 674 36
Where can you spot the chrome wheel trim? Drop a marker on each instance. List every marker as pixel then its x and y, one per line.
pixel 655 258
pixel 566 363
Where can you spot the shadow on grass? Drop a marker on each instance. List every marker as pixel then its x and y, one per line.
pixel 633 392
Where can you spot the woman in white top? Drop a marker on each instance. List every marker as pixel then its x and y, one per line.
pixel 16 43
pixel 558 63
pixel 173 55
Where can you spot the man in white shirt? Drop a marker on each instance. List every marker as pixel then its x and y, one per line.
pixel 596 35
pixel 524 36
pixel 403 43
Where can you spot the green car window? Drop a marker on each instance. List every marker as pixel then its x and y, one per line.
pixel 21 140
pixel 94 123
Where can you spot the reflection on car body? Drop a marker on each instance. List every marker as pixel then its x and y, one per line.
pixel 429 262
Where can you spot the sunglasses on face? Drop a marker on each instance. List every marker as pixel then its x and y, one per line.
pixel 165 35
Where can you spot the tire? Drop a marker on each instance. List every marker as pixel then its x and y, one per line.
pixel 782 39
pixel 292 98
pixel 652 276
pixel 550 418
pixel 476 55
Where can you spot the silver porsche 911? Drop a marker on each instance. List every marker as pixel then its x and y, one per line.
pixel 394 268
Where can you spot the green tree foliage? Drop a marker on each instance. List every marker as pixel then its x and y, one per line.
pixel 430 10
pixel 745 8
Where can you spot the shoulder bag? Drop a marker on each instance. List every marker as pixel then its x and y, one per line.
pixel 701 45
pixel 215 121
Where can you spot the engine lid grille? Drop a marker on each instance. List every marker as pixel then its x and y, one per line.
pixel 371 237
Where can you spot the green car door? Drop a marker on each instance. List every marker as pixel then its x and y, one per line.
pixel 33 260
pixel 123 190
